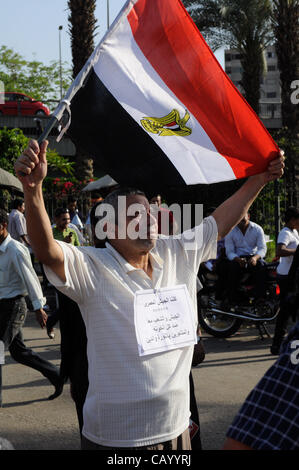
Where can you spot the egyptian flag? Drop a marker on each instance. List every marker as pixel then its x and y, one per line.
pixel 155 106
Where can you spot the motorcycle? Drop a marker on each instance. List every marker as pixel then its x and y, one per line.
pixel 222 322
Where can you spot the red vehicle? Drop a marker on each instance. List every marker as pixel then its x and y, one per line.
pixel 18 104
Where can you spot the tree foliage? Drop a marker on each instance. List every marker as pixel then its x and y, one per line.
pixel 40 81
pixel 242 24
pixel 12 144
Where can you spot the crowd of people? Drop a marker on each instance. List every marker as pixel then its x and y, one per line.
pixel 127 394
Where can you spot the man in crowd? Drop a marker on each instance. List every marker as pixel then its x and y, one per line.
pixel 245 248
pixel 61 230
pixel 138 397
pixel 72 207
pixel 17 227
pixel 17 280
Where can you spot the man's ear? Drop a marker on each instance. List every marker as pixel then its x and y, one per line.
pixel 111 230
pixel 106 228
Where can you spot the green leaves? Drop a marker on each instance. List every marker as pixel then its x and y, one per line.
pixel 58 162
pixel 39 81
pixel 12 144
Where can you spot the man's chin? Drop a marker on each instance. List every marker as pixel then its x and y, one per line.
pixel 148 243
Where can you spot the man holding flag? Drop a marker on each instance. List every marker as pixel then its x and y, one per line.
pixel 137 397
pixel 155 106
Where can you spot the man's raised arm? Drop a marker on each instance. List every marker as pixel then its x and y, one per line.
pixel 31 169
pixel 229 214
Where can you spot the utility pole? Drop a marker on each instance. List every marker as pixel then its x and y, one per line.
pixel 277 209
pixel 108 16
pixel 60 65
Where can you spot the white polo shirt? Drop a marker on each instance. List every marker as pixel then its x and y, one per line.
pixel 133 400
pixel 290 239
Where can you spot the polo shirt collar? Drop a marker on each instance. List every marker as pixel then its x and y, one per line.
pixel 4 244
pixel 157 262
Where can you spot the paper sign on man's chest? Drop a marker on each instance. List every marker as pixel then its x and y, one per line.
pixel 164 319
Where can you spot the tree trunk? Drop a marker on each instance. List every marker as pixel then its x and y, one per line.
pixel 252 64
pixel 286 28
pixel 82 26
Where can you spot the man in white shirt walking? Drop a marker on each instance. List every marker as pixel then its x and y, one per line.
pixel 17 280
pixel 17 227
pixel 138 394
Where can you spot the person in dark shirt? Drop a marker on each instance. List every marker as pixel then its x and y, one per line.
pixel 269 417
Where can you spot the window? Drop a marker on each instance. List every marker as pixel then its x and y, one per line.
pixel 270 81
pixel 271 68
pixel 271 94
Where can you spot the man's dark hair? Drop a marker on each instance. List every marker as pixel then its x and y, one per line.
pixel 93 218
pixel 61 210
pixel 291 212
pixel 3 217
pixel 17 203
pixel 112 199
pixel 93 221
pixel 71 199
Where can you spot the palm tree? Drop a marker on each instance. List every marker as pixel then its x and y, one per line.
pixel 244 25
pixel 286 31
pixel 82 27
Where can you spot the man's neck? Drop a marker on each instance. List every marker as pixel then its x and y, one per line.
pixel 140 260
pixel 244 229
pixel 3 237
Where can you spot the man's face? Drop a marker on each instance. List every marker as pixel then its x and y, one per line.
pixel 3 231
pixel 295 223
pixel 21 208
pixel 156 200
pixel 72 206
pixel 62 221
pixel 244 222
pixel 137 229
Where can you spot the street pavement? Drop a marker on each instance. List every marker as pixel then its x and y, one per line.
pixel 31 422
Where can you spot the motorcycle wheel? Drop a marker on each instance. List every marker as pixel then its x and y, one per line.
pixel 220 326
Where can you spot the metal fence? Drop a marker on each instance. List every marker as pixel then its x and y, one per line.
pixel 52 203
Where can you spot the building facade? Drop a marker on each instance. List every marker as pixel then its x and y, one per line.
pixel 270 101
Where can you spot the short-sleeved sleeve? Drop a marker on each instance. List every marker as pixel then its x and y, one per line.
pixel 283 237
pixel 198 244
pixel 80 279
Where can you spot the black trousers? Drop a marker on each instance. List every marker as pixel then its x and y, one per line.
pixel 74 363
pixel 284 312
pixel 230 273
pixel 12 318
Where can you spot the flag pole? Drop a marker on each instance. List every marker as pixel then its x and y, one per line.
pixel 44 135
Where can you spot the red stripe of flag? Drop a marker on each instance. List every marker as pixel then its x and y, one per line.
pixel 177 51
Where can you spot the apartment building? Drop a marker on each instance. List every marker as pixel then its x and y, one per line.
pixel 270 102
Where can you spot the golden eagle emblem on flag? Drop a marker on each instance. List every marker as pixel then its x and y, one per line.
pixel 172 124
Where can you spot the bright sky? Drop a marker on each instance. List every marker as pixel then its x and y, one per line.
pixel 30 27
